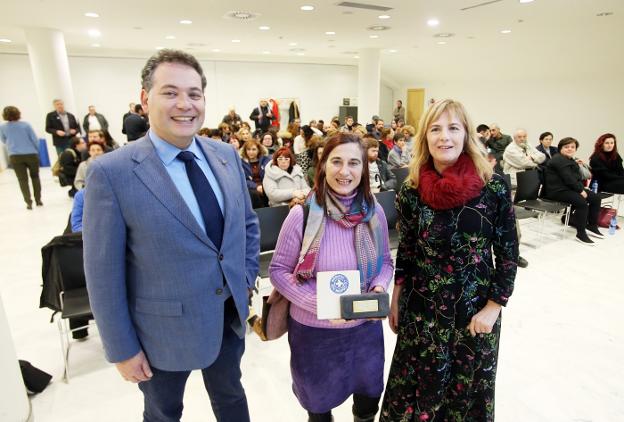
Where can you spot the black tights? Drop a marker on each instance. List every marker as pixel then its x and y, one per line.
pixel 363 407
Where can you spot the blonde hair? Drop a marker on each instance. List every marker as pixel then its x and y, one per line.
pixel 262 150
pixel 421 154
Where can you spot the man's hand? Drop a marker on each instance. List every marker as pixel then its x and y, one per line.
pixel 60 133
pixel 135 369
pixel 393 318
pixel 484 320
pixel 72 131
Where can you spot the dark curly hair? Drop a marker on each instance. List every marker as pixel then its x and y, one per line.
pixel 169 56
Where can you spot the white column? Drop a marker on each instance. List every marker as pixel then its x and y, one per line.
pixel 369 80
pixel 50 69
pixel 14 405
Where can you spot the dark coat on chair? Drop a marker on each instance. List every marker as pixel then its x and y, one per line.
pixel 563 175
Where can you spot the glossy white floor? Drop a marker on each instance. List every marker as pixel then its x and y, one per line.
pixel 561 356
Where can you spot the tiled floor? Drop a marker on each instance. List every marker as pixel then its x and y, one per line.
pixel 561 356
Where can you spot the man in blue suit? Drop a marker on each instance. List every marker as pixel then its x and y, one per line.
pixel 171 247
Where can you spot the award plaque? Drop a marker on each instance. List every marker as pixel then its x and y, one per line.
pixel 370 305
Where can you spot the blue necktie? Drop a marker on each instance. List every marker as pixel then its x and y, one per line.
pixel 208 205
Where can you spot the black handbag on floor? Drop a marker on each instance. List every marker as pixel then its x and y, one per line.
pixel 35 379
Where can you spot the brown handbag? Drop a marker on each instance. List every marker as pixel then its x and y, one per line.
pixel 275 309
pixel 605 215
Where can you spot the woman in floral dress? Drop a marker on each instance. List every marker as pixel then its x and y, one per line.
pixel 455 269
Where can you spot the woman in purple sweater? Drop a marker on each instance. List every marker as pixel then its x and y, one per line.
pixel 345 230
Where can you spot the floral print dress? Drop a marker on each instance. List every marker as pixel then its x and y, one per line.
pixel 445 258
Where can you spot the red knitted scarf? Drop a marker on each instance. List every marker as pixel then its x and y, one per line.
pixel 454 187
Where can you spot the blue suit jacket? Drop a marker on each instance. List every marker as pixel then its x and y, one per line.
pixel 155 279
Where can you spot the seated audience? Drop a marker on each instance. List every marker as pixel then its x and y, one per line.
pixel 255 160
pixel 398 156
pixel 284 182
pixel 497 144
pixel 269 141
pixel 545 146
pixel 95 149
pixel 70 160
pixel 232 118
pixel 76 214
pixel 483 134
pixel 233 140
pixel 409 132
pixel 111 144
pixel 606 165
pixel 317 152
pixel 381 178
pixel 244 135
pixel 302 141
pixel 564 183
pixel 348 126
pixel 226 130
pixel 520 156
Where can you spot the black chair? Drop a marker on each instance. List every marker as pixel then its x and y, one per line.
pixel 386 200
pixel 527 191
pixel 400 174
pixel 270 220
pixel 65 275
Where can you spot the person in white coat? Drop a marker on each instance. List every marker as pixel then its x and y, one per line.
pixel 284 182
pixel 520 156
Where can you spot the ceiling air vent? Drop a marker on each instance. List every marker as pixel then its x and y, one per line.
pixel 363 6
pixel 485 3
pixel 241 15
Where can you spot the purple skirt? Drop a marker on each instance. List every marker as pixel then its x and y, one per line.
pixel 329 365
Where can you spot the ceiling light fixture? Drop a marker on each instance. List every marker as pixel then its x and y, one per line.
pixel 300 54
pixel 95 45
pixel 356 57
pixel 444 35
pixel 264 28
pixel 433 22
pixel 92 15
pixel 5 40
pixel 526 1
pixel 392 51
pixel 373 36
pixel 506 31
pixel 215 50
pixel 384 16
pixel 159 47
pixel 441 42
pixel 603 14
pixel 266 52
pixel 186 22
pixel 307 8
pixel 378 28
pixel 235 41
pixel 170 37
pixel 330 33
pixel 292 44
pixel 94 33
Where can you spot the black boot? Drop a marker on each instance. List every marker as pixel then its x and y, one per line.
pixel 320 417
pixel 364 408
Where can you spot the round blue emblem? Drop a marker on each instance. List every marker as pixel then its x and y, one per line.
pixel 339 284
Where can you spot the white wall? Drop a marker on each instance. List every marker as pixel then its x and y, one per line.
pixel 581 107
pixel 111 83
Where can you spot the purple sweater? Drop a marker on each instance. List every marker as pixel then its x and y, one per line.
pixel 337 253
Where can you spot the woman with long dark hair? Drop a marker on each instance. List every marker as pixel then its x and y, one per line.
pixel 345 230
pixel 606 165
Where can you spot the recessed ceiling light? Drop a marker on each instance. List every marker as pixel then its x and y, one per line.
pixel 5 40
pixel 526 1
pixel 170 37
pixel 159 47
pixel 215 50
pixel 603 14
pixel 92 15
pixel 264 28
pixel 186 22
pixel 384 16
pixel 294 50
pixel 378 28
pixel 330 33
pixel 266 52
pixel 235 41
pixel 433 22
pixel 300 54
pixel 292 44
pixel 356 57
pixel 95 45
pixel 506 31
pixel 441 42
pixel 307 8
pixel 444 35
pixel 373 36
pixel 392 51
pixel 94 33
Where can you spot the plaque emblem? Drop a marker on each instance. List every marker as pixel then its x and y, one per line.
pixel 339 284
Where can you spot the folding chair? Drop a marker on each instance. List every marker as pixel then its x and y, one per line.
pixel 270 220
pixel 386 200
pixel 527 191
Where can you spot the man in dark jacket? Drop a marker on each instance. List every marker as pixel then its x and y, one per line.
pixel 381 178
pixel 94 121
pixel 62 125
pixel 497 144
pixel 135 125
pixel 262 116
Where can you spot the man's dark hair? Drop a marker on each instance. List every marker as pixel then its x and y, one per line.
pixel 169 56
pixel 11 114
pixel 482 128
pixel 138 108
pixel 545 134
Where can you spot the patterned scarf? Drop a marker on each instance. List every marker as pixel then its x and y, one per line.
pixel 368 235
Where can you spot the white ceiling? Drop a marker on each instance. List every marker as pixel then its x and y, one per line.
pixel 549 38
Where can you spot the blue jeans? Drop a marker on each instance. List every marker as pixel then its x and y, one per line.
pixel 164 392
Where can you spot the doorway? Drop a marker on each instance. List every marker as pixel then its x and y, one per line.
pixel 415 106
